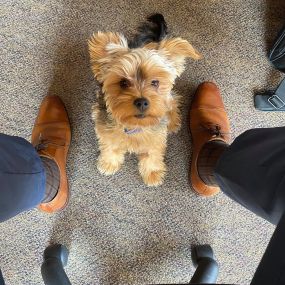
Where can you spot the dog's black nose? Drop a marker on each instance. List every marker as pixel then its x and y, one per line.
pixel 142 104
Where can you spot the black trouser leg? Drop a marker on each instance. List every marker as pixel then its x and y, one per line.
pixel 251 172
pixel 55 258
pixel 271 269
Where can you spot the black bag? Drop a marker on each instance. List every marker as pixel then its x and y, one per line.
pixel 277 53
pixel 276 101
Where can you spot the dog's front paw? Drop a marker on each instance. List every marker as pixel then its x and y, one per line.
pixel 108 167
pixel 154 178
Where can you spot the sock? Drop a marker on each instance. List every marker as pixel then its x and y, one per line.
pixel 207 160
pixel 52 179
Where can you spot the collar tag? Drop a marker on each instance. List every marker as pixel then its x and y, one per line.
pixel 133 131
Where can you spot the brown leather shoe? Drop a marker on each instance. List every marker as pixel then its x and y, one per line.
pixel 208 121
pixel 51 136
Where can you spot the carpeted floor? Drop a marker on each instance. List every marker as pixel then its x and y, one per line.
pixel 117 230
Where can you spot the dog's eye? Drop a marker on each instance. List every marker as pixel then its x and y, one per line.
pixel 155 83
pixel 124 83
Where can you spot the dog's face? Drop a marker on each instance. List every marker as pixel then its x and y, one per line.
pixel 137 82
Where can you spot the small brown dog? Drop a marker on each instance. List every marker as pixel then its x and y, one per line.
pixel 138 107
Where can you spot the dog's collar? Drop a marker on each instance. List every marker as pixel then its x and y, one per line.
pixel 163 122
pixel 132 131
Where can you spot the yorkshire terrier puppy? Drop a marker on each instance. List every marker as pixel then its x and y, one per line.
pixel 137 107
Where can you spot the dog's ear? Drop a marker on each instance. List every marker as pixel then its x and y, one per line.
pixel 179 47
pixel 103 48
pixel 176 50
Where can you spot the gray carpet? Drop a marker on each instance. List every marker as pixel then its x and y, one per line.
pixel 117 230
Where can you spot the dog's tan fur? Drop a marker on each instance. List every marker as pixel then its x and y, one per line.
pixel 112 61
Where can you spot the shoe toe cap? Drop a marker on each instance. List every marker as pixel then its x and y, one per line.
pixel 207 95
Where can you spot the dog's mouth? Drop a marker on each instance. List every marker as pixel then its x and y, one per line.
pixel 139 120
pixel 140 116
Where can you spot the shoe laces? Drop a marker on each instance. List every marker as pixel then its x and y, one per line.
pixel 214 130
pixel 44 143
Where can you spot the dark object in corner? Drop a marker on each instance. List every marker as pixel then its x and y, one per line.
pixel 276 101
pixel 1 279
pixel 277 53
